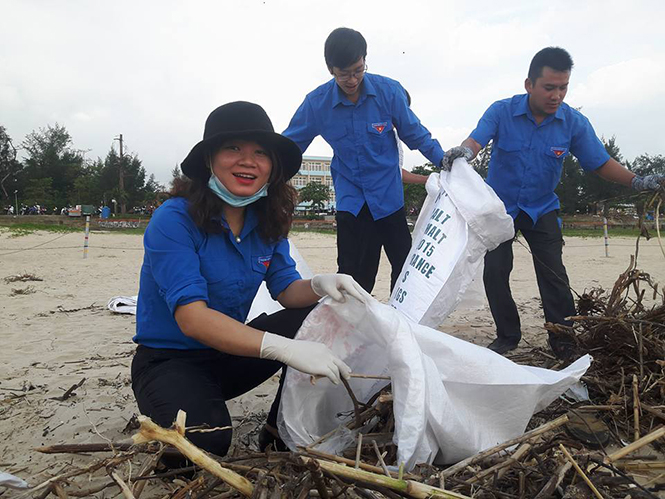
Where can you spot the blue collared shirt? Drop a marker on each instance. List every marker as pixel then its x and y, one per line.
pixel 527 159
pixel 365 165
pixel 184 264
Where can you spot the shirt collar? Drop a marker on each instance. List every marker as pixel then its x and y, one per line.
pixel 523 108
pixel 367 88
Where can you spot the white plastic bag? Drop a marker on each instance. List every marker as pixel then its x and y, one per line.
pixel 451 398
pixel 462 218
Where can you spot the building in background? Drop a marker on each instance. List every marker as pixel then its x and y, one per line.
pixel 314 169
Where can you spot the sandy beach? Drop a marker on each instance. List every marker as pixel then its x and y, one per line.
pixel 57 332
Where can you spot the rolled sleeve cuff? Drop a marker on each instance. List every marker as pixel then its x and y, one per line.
pixel 478 137
pixel 188 293
pixel 281 281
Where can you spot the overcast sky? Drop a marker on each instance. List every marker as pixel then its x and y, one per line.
pixel 153 70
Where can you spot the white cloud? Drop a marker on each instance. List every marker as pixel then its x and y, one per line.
pixel 624 85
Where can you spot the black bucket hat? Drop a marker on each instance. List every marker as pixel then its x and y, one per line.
pixel 241 120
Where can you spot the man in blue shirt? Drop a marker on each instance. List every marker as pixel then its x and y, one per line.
pixel 355 113
pixel 532 133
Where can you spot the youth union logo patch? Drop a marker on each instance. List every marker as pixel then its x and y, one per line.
pixel 265 261
pixel 558 151
pixel 379 127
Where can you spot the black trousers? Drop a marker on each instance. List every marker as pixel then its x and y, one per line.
pixel 359 242
pixel 546 242
pixel 201 381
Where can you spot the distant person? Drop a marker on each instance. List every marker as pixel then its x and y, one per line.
pixel 355 113
pixel 207 251
pixel 532 133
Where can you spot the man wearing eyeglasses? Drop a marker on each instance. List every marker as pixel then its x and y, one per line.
pixel 355 112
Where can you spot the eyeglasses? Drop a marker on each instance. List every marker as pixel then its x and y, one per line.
pixel 345 76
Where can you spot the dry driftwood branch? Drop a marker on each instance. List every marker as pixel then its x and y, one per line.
pixel 69 391
pixel 359 447
pixel 59 491
pixel 409 487
pixel 554 481
pixel 636 408
pixel 361 465
pixel 112 461
pixel 148 467
pixel 580 472
pixel 185 492
pixel 126 491
pixel 503 466
pixel 551 425
pixel 638 444
pixel 175 437
pixel 380 457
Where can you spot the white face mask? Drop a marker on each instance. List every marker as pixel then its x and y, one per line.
pixel 227 196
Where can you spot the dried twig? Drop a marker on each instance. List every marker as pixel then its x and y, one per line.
pixel 150 431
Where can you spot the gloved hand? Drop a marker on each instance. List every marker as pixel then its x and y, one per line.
pixel 453 153
pixel 334 285
pixel 648 182
pixel 309 357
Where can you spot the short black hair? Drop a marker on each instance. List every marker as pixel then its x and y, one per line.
pixel 553 57
pixel 343 47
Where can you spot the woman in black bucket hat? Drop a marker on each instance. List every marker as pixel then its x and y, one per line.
pixel 207 250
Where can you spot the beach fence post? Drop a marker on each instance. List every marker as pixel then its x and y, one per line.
pixel 87 232
pixel 607 239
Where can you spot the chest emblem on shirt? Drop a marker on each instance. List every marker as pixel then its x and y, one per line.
pixel 379 127
pixel 265 261
pixel 558 151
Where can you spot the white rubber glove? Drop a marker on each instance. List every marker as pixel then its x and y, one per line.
pixel 335 285
pixel 309 357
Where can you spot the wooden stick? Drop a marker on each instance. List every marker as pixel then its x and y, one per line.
pixel 641 347
pixel 640 465
pixel 126 491
pixel 503 466
pixel 187 489
pixel 85 448
pixel 70 474
pixel 59 491
pixel 652 411
pixel 561 420
pixel 580 472
pixel 70 391
pixel 645 440
pixel 599 408
pixel 175 437
pixel 358 449
pixel 636 409
pixel 408 487
pixel 361 465
pixel 381 461
pixel 354 401
pixel 315 377
pixel 554 482
pixel 146 469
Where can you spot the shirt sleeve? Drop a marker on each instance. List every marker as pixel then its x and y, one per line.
pixel 282 270
pixel 587 147
pixel 170 244
pixel 411 131
pixel 487 126
pixel 303 127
